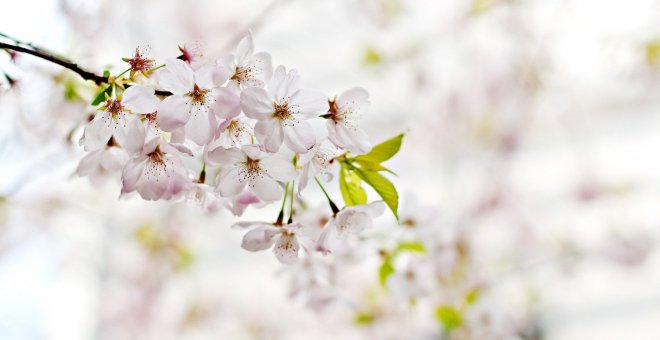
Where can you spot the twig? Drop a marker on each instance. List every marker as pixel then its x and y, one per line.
pixel 41 53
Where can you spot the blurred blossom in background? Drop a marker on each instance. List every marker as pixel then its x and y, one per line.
pixel 528 176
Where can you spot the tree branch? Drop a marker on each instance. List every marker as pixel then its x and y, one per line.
pixel 40 53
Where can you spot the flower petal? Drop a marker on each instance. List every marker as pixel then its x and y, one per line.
pixel 98 131
pixel 173 112
pixel 230 182
pixel 270 133
pixel 140 99
pixel 244 49
pixel 257 239
pixel 201 126
pixel 177 77
pixel 279 168
pixel 257 103
pixel 309 103
pixel 354 101
pixel 286 248
pixel 266 188
pixel 227 103
pixel 221 155
pixel 299 137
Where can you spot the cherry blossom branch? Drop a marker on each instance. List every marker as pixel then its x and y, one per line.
pixel 45 55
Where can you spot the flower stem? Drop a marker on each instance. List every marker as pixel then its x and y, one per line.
pixel 293 185
pixel 333 206
pixel 280 216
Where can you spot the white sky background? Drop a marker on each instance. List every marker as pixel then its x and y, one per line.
pixel 596 118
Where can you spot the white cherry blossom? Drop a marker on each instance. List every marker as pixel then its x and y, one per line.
pixel 97 164
pixel 115 116
pixel 282 111
pixel 195 100
pixel 246 68
pixel 287 239
pixel 318 160
pixel 343 116
pixel 252 167
pixel 157 172
pixel 349 221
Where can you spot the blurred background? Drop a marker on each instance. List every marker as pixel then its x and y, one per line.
pixel 532 132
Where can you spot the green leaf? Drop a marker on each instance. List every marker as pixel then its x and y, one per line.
pixel 372 57
pixel 71 91
pixel 364 319
pixel 413 246
pixel 472 296
pixel 383 187
pixel 100 96
pixel 384 150
pixel 106 73
pixel 386 269
pixel 449 317
pixel 371 165
pixel 351 188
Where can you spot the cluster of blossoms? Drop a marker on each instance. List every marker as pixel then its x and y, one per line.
pixel 248 123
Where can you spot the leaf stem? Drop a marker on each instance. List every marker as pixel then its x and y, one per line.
pixel 333 206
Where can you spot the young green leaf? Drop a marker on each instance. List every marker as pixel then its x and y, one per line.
pixel 384 150
pixel 383 187
pixel 411 246
pixel 386 269
pixel 449 317
pixel 371 165
pixel 350 186
pixel 100 96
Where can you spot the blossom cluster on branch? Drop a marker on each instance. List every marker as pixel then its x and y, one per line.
pixel 235 132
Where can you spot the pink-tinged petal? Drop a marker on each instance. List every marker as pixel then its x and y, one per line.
pixel 266 188
pixel 204 76
pixel 113 159
pixel 354 101
pixel 244 49
pixel 176 149
pixel 140 99
pixel 308 156
pixel 90 163
pixel 98 131
pixel 230 182
pixel 132 136
pixel 258 239
pixel 262 61
pixel 257 103
pixel 177 77
pixel 254 151
pixel 356 140
pixel 286 248
pixel 270 133
pixel 375 209
pixel 173 112
pixel 178 135
pixel 250 224
pixel 201 126
pixel 225 68
pixel 284 87
pixel 299 137
pixel 242 201
pixel 279 169
pixel 227 104
pixel 326 239
pixel 221 155
pixel 309 103
pixel 131 175
pixel 305 175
